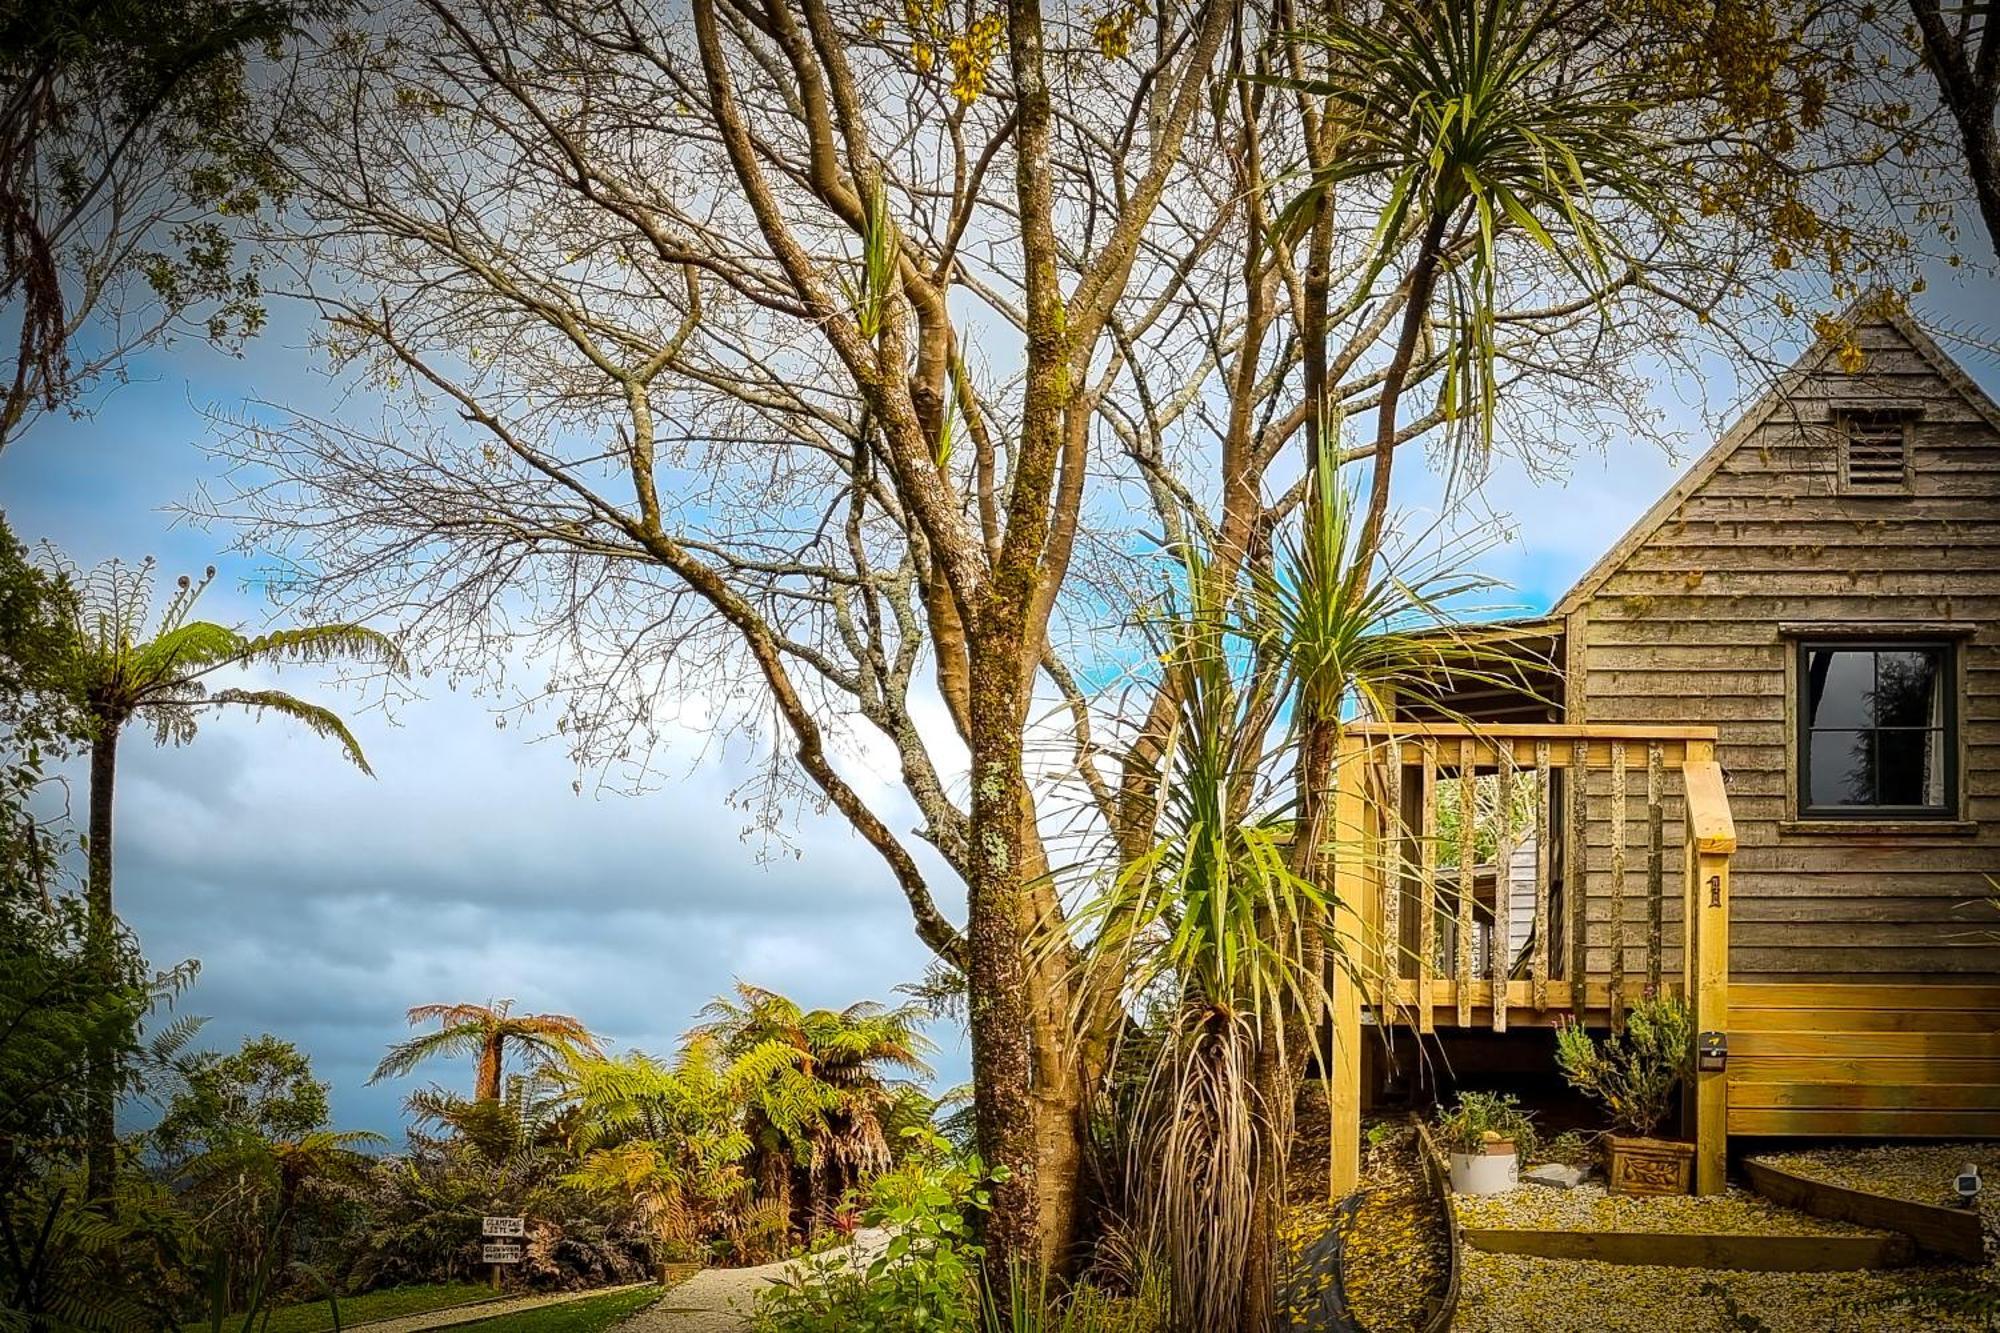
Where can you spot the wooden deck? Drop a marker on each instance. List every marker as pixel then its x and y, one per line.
pixel 1428 942
pixel 1425 947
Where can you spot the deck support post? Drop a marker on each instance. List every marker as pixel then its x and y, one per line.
pixel 1711 838
pixel 1354 852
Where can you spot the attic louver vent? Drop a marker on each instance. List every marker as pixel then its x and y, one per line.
pixel 1877 454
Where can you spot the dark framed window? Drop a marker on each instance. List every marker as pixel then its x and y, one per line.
pixel 1878 729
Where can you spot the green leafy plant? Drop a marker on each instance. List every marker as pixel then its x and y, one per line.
pixel 1571 1148
pixel 819 1117
pixel 1033 1304
pixel 926 1280
pixel 116 674
pixel 1219 914
pixel 1633 1073
pixel 1480 1118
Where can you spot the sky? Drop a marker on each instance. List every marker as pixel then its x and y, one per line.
pixel 322 903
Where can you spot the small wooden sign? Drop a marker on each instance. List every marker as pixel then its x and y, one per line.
pixel 500 1252
pixel 503 1226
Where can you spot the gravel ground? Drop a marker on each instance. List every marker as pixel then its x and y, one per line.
pixel 1396 1251
pixel 1589 1206
pixel 1921 1173
pixel 1502 1293
pixel 1393 1250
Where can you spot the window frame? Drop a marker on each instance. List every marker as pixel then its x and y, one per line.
pixel 1951 735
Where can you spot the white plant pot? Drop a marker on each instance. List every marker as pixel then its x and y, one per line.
pixel 1485 1172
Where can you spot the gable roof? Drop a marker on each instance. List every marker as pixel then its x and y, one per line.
pixel 1870 309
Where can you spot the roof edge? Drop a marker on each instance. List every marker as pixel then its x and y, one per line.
pixel 1870 307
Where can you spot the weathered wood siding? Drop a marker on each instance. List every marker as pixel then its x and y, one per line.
pixel 1686 629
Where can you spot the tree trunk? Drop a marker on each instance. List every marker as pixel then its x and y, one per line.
pixel 1278 1071
pixel 1423 281
pixel 1982 162
pixel 486 1082
pixel 101 1101
pixel 1004 1101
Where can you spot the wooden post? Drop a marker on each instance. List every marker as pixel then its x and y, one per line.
pixel 1544 855
pixel 1656 861
pixel 1711 836
pixel 1350 883
pixel 1427 890
pixel 1468 855
pixel 1500 957
pixel 1617 886
pixel 1576 872
pixel 1391 843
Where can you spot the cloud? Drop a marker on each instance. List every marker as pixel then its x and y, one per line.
pixel 320 901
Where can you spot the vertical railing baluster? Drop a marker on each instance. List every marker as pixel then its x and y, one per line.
pixel 1468 893
pixel 1656 861
pixel 1576 875
pixel 1544 854
pixel 1392 881
pixel 1617 884
pixel 1500 955
pixel 1427 890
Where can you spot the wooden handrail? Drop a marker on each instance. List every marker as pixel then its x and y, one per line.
pixel 1709 822
pixel 1522 744
pixel 1553 731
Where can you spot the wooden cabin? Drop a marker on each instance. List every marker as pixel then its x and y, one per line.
pixel 1761 745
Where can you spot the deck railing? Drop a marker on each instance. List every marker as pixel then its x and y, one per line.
pixel 1426 946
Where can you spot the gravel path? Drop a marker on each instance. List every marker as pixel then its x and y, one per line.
pixel 1506 1293
pixel 1921 1173
pixel 720 1300
pixel 467 1314
pixel 1589 1207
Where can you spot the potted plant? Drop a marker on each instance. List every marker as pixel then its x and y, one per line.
pixel 1485 1134
pixel 1635 1074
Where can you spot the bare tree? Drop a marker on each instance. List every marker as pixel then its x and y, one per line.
pixel 836 364
pixel 1962 48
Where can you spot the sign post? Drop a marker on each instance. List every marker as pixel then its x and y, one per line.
pixel 502 1237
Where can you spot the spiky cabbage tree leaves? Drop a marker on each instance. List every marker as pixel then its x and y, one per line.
pixel 1216 923
pixel 1473 119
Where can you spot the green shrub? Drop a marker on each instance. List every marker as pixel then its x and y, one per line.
pixel 927 1278
pixel 1463 1127
pixel 1633 1073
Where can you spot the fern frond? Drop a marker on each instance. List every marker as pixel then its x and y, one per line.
pixel 325 643
pixel 195 646
pixel 321 721
pixel 404 1056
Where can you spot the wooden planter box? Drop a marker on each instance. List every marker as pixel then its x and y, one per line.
pixel 1648 1166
